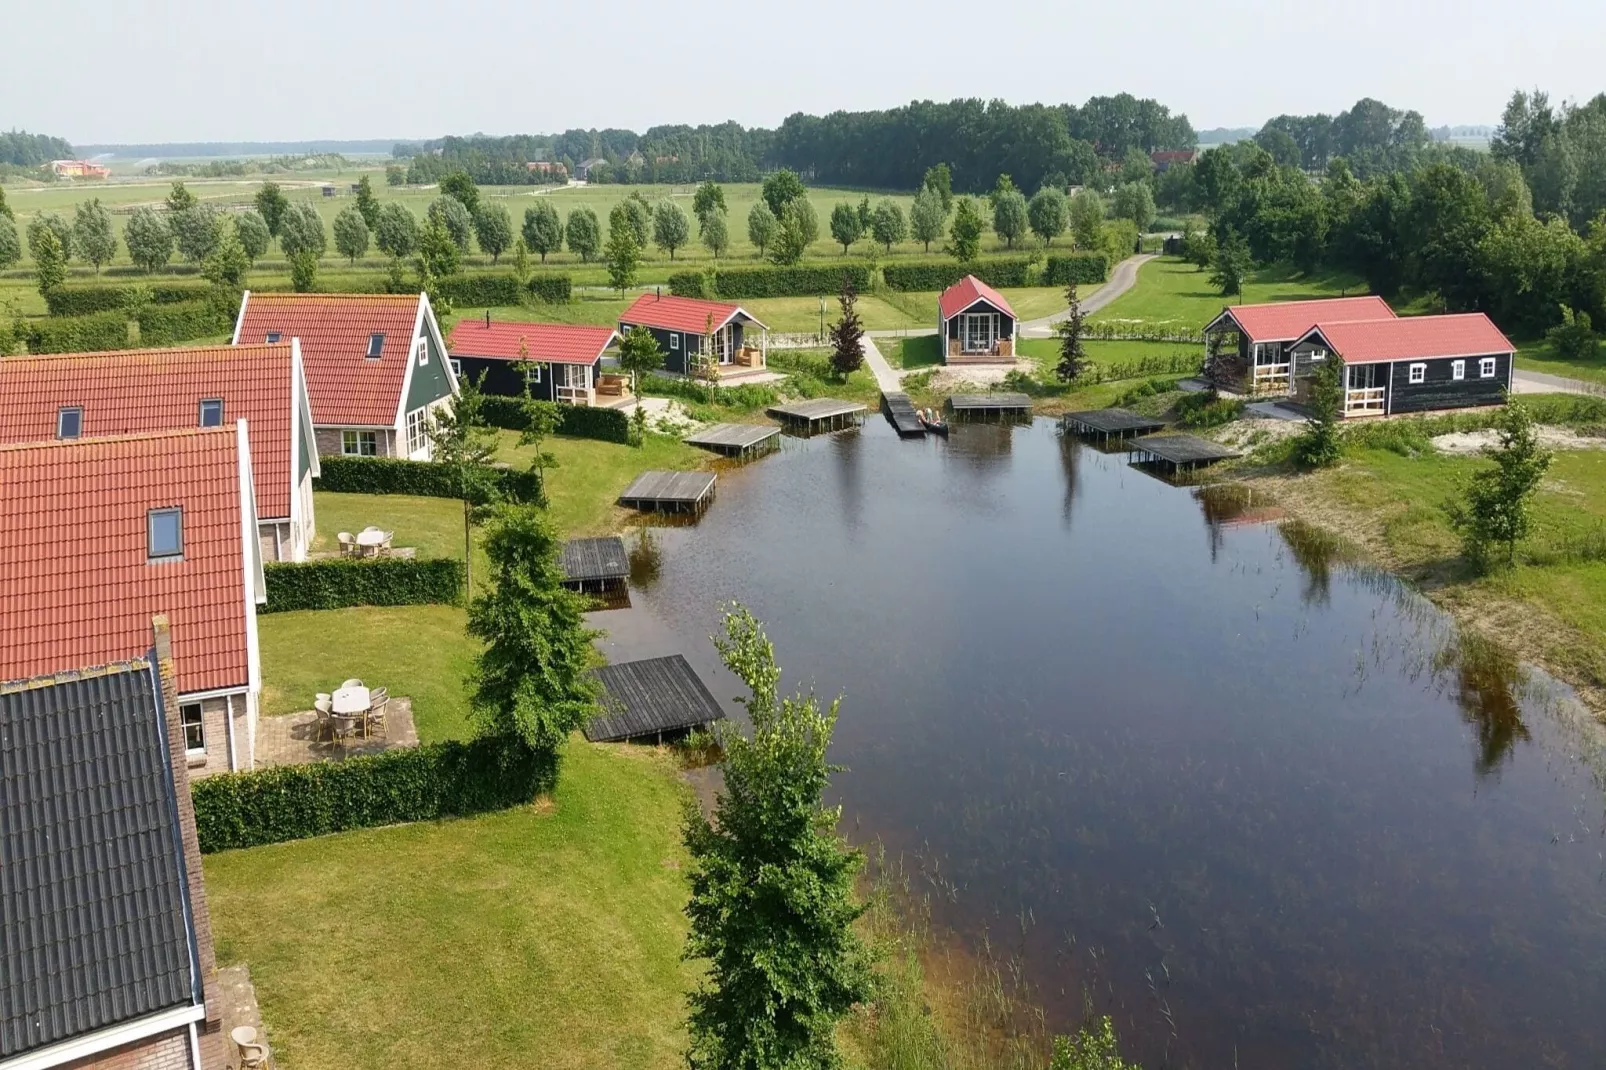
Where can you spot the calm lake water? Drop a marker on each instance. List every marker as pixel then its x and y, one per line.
pixel 1253 802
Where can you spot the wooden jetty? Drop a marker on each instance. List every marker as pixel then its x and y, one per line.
pixel 983 406
pixel 595 565
pixel 901 414
pixel 1105 424
pixel 818 414
pixel 647 699
pixel 673 492
pixel 1174 453
pixel 737 440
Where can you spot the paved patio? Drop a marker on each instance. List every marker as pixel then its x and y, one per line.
pixel 288 739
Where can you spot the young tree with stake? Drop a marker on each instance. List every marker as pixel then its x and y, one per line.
pixel 1495 510
pixel 1073 353
pixel 847 334
pixel 461 439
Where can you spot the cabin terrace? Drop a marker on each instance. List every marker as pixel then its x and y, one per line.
pixel 1248 345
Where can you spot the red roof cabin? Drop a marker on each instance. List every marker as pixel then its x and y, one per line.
pixel 1409 364
pixel 102 395
pixel 99 535
pixel 376 366
pixel 1248 345
pixel 976 324
pixel 680 325
pixel 552 361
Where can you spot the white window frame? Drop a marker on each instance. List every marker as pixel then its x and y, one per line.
pixel 1417 373
pixel 1318 355
pixel 199 726
pixel 457 367
pixel 351 443
pixel 1458 369
pixel 61 414
pixel 423 352
pixel 417 430
pixel 532 372
pixel 966 334
pixel 674 340
pixel 1486 368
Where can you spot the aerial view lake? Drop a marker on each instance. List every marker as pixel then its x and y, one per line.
pixel 1258 804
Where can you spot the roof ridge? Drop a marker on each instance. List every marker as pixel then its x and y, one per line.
pixel 221 349
pixel 69 676
pixel 107 440
pixel 281 295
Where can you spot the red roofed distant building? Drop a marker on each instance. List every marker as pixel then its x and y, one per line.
pixel 79 169
pixel 1165 159
pixel 976 324
pixel 679 324
pixel 1410 363
pixel 1249 344
pixel 100 395
pixel 99 535
pixel 376 366
pixel 553 361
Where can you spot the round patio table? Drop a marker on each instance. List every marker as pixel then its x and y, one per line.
pixel 370 539
pixel 349 700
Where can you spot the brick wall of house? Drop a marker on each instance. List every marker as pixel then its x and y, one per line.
pixel 166 1051
pixel 271 551
pixel 328 439
pixel 215 731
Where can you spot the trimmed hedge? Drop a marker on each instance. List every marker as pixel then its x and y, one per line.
pixel 692 284
pixel 429 479
pixel 578 421
pixel 734 284
pixel 482 290
pixel 380 581
pixel 1075 267
pixel 86 300
pixel 436 780
pixel 77 334
pixel 164 324
pixel 999 271
pixel 553 289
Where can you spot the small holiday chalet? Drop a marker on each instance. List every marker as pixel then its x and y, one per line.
pixel 976 323
pixel 375 364
pixel 1409 364
pixel 552 361
pixel 1248 345
pixel 681 323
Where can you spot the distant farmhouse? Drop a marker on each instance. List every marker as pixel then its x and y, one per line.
pixel 79 169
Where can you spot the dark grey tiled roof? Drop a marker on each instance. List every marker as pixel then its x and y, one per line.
pixel 94 912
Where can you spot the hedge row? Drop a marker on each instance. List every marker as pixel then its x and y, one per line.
pixel 293 802
pixel 999 271
pixel 86 300
pixel 393 475
pixel 577 421
pixel 735 284
pixel 382 581
pixel 553 289
pixel 164 325
pixel 482 290
pixel 77 334
pixel 1075 267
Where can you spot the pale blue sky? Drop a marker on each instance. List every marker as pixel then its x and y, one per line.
pixel 190 70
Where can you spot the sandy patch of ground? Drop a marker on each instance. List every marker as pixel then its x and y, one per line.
pixel 1245 434
pixel 1465 443
pixel 956 378
pixel 663 414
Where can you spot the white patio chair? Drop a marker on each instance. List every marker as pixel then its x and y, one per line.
pixel 253 1053
pixel 378 700
pixel 348 544
pixel 353 682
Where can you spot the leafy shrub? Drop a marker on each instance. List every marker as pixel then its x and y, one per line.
pixel 577 421
pixel 293 802
pixel 1574 338
pixel 1200 410
pixel 553 289
pixel 341 582
pixel 1146 389
pixel 392 475
pixel 163 325
pixel 77 334
pixel 741 396
pixel 939 275
pixel 1080 268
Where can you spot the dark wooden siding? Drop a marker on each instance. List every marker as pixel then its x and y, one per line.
pixel 505 377
pixel 1439 391
pixel 674 359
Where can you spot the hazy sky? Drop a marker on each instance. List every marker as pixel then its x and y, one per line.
pixel 187 70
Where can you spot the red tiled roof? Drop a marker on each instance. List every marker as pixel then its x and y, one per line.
pixel 1284 321
pixel 966 292
pixel 346 387
pixel 559 343
pixel 74 577
pixel 138 391
pixel 672 313
pixel 1415 338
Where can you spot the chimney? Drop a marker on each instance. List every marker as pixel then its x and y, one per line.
pixel 487 319
pixel 658 293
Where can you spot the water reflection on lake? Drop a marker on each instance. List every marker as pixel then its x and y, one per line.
pixel 1251 799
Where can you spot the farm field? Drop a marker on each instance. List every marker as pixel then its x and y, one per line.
pixel 1172 293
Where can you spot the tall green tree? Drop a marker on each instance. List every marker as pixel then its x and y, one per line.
pixel 542 230
pixel 623 251
pixel 252 230
pixel 521 261
pixel 887 224
pixel 639 214
pixel 226 265
pixel 396 233
pixel 797 230
pixel 639 355
pixel 847 334
pixel 93 234
pixel 1495 510
pixel 940 180
pixel 196 231
pixel 1009 215
pixel 451 214
pixel 303 271
pixel 149 241
pixel 438 256
pixel 5 209
pixel 541 421
pixel 845 227
pixel 964 234
pixel 709 199
pixel 1232 264
pixel 1135 201
pixel 10 243
pixel 865 213
pixel 780 189
pixel 351 233
pixel 49 262
pixel 272 204
pixel 459 186
pixel 532 682
pixel 54 224
pixel 301 231
pixel 493 229
pixel 1048 214
pixel 180 198
pixel 367 203
pixel 462 439
pixel 671 229
pixel 583 233
pixel 1086 212
pixel 772 908
pixel 1073 351
pixel 1319 445
pixel 714 233
pixel 927 217
pixel 761 226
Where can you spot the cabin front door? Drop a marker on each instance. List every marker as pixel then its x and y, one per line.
pixel 977 332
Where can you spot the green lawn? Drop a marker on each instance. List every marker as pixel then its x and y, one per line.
pixel 1542 357
pixel 547 935
pixel 1173 293
pixel 434 526
pixel 590 475
pixel 421 652
pixel 1138 358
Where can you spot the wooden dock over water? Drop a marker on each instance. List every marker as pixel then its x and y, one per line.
pixel 674 492
pixel 595 565
pixel 737 440
pixel 818 414
pixel 646 699
pixel 985 406
pixel 1175 453
pixel 900 413
pixel 1106 424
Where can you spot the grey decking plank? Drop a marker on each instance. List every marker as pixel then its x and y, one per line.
pixel 989 402
pixel 1183 449
pixel 1112 421
pixel 668 487
pixel 733 436
pixel 901 414
pixel 643 698
pixel 595 559
pixel 816 409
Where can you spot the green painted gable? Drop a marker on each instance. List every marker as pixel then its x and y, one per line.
pixel 430 380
